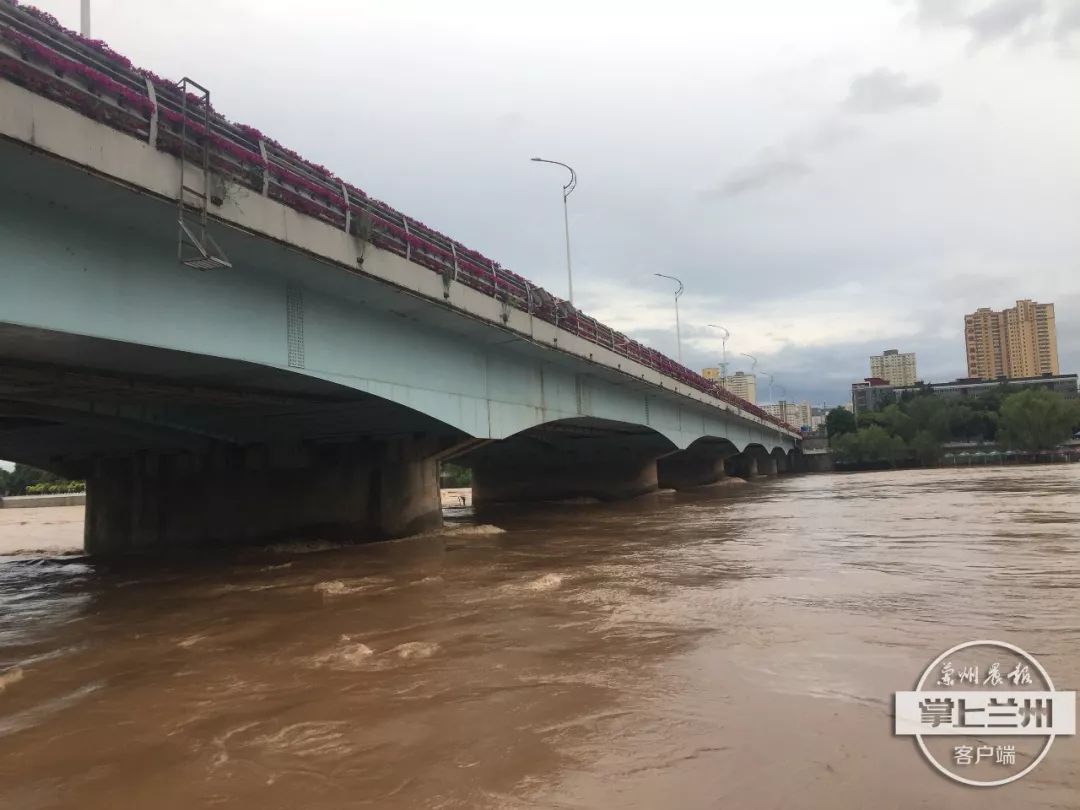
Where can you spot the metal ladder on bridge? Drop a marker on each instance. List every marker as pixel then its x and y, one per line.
pixel 196 248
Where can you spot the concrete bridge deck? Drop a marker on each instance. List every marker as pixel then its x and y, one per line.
pixel 322 377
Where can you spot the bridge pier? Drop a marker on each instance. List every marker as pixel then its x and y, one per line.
pixel 743 465
pixel 701 464
pixel 754 461
pixel 604 480
pixel 558 464
pixel 354 492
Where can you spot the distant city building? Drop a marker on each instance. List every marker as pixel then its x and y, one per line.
pixel 874 394
pixel 1015 343
pixel 795 414
pixel 894 366
pixel 742 385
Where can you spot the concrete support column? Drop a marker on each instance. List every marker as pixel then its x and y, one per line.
pixel 566 460
pixel 744 465
pixel 693 467
pixel 767 465
pixel 355 492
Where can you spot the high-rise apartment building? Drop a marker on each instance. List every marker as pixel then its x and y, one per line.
pixel 1017 342
pixel 894 366
pixel 795 414
pixel 742 385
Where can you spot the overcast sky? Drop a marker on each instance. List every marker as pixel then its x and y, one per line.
pixel 829 179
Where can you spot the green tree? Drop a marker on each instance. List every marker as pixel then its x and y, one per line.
pixel 926 447
pixel 898 423
pixel 454 475
pixel 23 476
pixel 839 421
pixel 872 444
pixel 1036 419
pixel 930 413
pixel 876 444
pixel 845 447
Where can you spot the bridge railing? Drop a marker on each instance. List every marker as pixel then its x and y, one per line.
pixel 39 54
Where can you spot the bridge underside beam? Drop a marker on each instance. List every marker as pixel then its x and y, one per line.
pixel 354 492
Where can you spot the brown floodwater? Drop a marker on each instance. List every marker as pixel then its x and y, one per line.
pixel 734 648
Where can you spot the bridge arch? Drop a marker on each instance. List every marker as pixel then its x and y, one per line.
pixel 568 458
pixel 700 464
pixel 754 460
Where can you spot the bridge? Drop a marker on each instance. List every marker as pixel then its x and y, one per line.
pixel 232 344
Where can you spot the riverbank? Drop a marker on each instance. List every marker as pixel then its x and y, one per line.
pixel 961 462
pixel 36 501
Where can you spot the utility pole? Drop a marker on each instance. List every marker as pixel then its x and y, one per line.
pixel 84 19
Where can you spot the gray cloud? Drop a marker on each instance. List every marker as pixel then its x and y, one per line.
pixel 879 91
pixel 786 163
pixel 1022 22
pixel 831 134
pixel 1004 19
pixel 884 90
pixel 940 12
pixel 511 121
pixel 1068 22
pixel 767 171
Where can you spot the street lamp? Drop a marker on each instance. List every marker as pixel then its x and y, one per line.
pixel 678 334
pixel 84 18
pixel 744 354
pixel 567 190
pixel 723 347
pixel 770 376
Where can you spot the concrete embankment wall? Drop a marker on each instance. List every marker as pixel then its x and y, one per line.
pixel 67 499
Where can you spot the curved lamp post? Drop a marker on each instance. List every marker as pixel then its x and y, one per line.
pixel 678 334
pixel 770 376
pixel 567 190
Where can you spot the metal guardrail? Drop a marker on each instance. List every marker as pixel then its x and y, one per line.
pixel 39 54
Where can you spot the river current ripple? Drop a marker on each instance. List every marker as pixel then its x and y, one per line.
pixel 729 648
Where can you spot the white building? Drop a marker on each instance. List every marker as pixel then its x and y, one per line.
pixel 795 414
pixel 894 366
pixel 742 385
